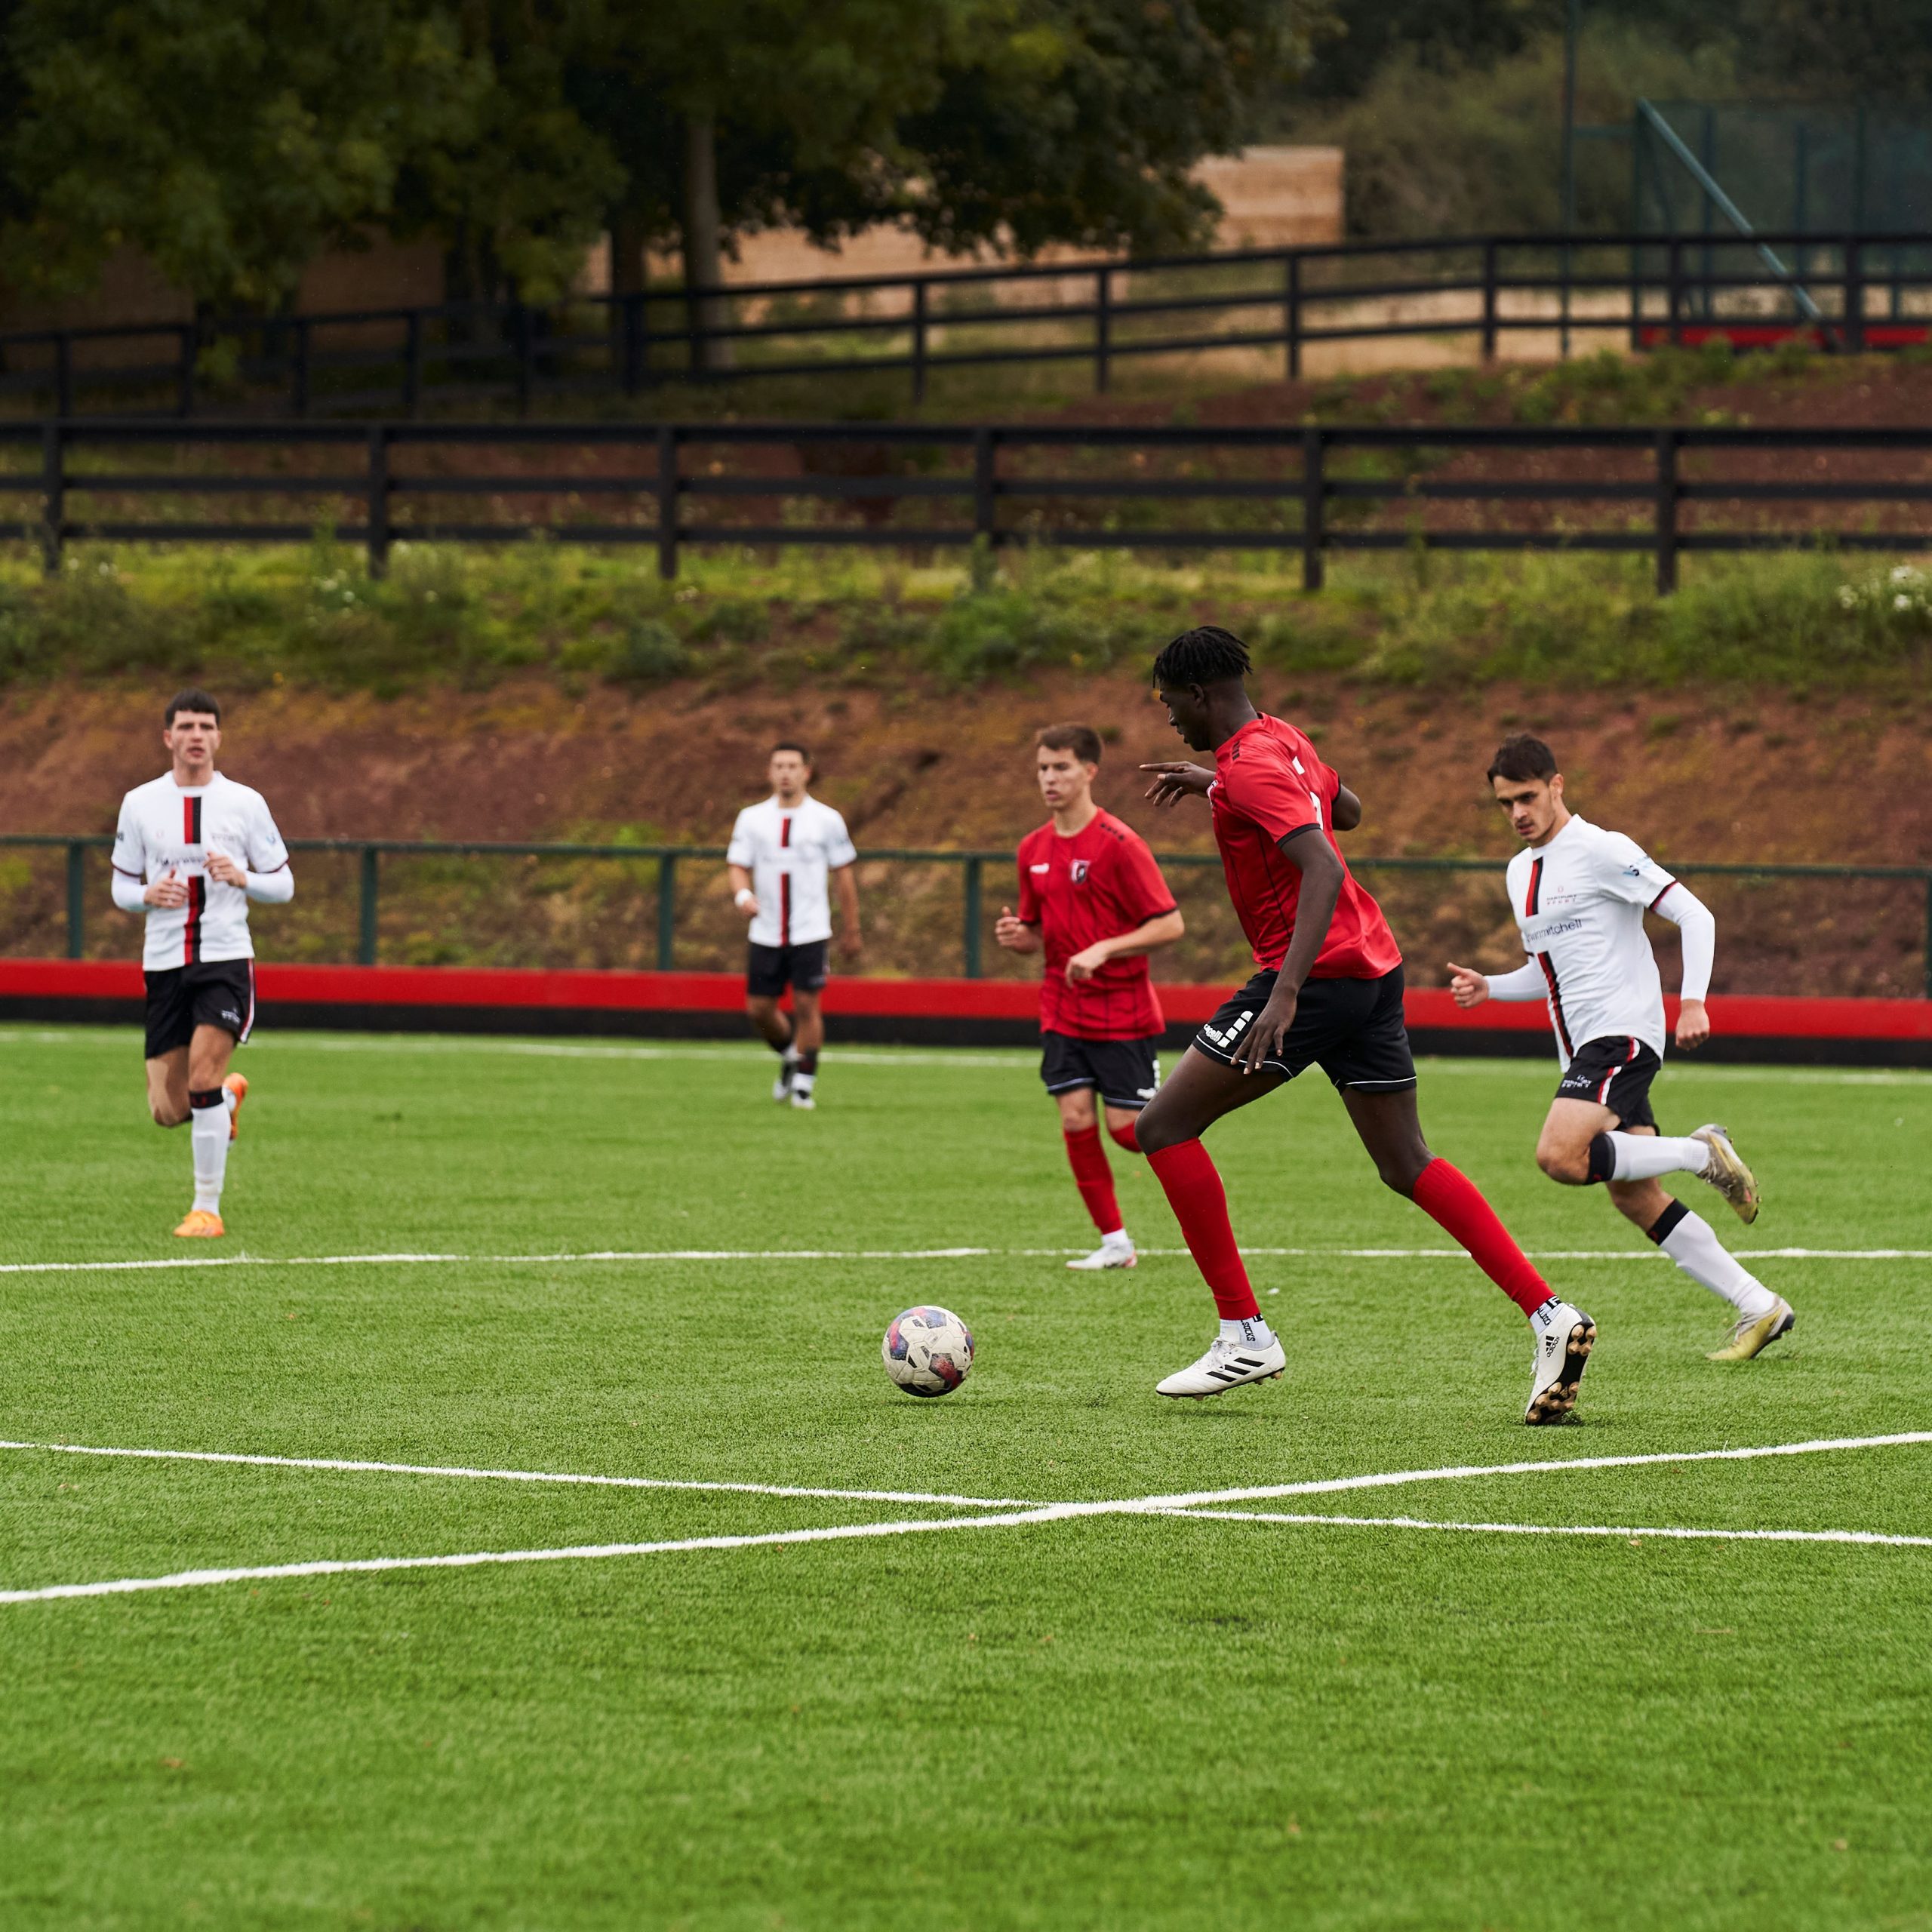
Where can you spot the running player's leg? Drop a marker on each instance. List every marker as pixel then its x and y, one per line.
pixel 1692 1243
pixel 1391 1132
pixel 1589 1136
pixel 1088 1079
pixel 764 981
pixel 808 1038
pixel 209 1103
pixel 1375 1073
pixel 167 1086
pixel 1080 1130
pixel 1199 1091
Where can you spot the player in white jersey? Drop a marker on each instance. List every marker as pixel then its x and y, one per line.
pixel 1579 894
pixel 191 850
pixel 783 856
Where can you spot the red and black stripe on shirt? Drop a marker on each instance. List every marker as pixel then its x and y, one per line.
pixel 191 832
pixel 784 884
pixel 1549 965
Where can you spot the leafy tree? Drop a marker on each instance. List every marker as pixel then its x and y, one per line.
pixel 230 141
pixel 1870 50
pixel 1080 122
pixel 508 176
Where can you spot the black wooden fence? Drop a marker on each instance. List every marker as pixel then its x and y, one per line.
pixel 1861 291
pixel 1656 491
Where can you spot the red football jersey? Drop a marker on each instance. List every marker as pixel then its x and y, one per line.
pixel 1270 781
pixel 1101 883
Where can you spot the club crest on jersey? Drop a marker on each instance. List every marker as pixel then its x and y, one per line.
pixel 1080 868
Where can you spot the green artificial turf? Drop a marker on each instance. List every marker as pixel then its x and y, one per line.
pixel 1116 1721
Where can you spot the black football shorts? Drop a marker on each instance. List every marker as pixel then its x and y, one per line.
pixel 1615 1072
pixel 770 969
pixel 216 992
pixel 1125 1073
pixel 1353 1029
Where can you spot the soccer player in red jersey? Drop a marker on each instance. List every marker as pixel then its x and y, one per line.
pixel 1093 899
pixel 1329 993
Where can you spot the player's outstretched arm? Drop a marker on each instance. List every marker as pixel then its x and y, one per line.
pixel 1526 983
pixel 1175 782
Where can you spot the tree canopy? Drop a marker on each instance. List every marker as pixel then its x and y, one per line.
pixel 232 141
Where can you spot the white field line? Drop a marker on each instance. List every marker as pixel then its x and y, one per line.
pixel 181 1579
pixel 948 1056
pixel 1053 1513
pixel 1184 1500
pixel 169 1263
pixel 1634 1532
pixel 1199 1502
pixel 348 1465
pixel 1466 1471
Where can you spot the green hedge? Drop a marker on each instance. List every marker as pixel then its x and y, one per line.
pixel 442 616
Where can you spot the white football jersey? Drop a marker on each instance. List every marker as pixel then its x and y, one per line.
pixel 790 855
pixel 169 828
pixel 1580 902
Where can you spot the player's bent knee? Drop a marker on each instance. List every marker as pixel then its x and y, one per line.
pixel 1571 1166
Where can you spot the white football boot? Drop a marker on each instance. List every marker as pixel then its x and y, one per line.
pixel 1564 1337
pixel 1115 1251
pixel 801 1095
pixel 781 1088
pixel 1728 1173
pixel 1227 1365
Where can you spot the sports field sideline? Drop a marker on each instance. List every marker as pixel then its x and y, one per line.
pixel 509 1524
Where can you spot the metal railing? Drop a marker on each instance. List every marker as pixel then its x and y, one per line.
pixel 1311 489
pixel 1859 291
pixel 368 854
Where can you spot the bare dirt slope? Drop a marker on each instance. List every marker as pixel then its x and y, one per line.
pixel 1742 776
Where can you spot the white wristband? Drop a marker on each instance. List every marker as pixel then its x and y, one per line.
pixel 745 896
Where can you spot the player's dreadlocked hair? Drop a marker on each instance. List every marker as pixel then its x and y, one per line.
pixel 1207 655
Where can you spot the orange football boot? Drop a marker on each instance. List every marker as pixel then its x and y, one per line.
pixel 236 1083
pixel 201 1226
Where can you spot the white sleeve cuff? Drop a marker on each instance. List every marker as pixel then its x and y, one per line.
pixel 128 891
pixel 1526 983
pixel 275 888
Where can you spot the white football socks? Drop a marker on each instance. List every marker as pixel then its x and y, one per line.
pixel 1253 1333
pixel 1645 1156
pixel 208 1134
pixel 1693 1245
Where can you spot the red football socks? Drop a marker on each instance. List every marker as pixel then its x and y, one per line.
pixel 1449 1196
pixel 1093 1178
pixel 1125 1136
pixel 1200 1203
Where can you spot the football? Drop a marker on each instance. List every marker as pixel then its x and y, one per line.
pixel 927 1351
